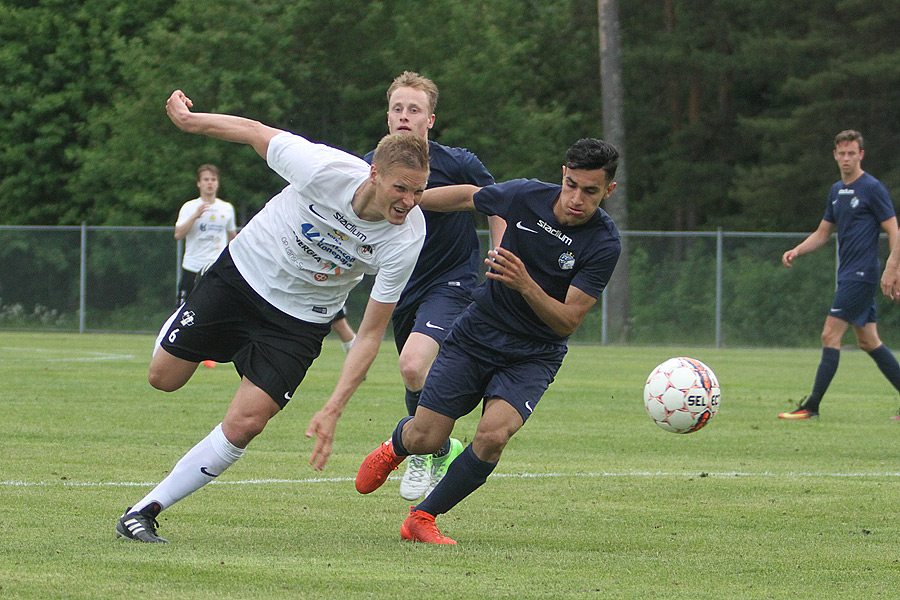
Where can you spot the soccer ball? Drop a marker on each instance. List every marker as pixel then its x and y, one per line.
pixel 682 395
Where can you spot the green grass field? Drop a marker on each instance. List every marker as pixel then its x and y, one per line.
pixel 590 500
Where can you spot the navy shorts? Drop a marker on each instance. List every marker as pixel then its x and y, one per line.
pixel 478 361
pixel 225 320
pixel 854 302
pixel 433 316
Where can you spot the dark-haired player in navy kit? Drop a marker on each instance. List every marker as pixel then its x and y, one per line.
pixel 556 257
pixel 446 273
pixel 859 207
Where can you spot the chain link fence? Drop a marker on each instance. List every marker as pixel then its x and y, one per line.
pixel 692 289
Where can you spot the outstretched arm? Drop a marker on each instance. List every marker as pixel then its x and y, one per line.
pixel 450 198
pixel 359 359
pixel 224 127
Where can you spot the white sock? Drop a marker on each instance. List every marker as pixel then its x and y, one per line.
pixel 346 345
pixel 203 463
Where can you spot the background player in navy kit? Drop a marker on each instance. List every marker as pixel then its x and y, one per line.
pixel 267 302
pixel 556 257
pixel 446 273
pixel 859 207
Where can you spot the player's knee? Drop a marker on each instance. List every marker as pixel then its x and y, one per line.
pixel 240 430
pixel 162 380
pixel 413 371
pixel 868 345
pixel 491 441
pixel 828 339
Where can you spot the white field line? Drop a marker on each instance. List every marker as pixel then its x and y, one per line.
pixel 312 480
pixel 91 356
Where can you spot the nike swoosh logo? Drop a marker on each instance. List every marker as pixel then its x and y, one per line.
pixel 431 325
pixel 313 211
pixel 528 406
pixel 287 395
pixel 523 228
pixel 205 472
pixel 834 310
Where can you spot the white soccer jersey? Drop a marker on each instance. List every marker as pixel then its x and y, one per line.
pixel 208 235
pixel 306 249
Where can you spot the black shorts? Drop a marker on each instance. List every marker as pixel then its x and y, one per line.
pixel 225 320
pixel 188 280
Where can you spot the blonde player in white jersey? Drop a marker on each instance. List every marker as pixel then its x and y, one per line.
pixel 267 302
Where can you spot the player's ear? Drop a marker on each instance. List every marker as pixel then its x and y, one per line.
pixel 373 172
pixel 609 190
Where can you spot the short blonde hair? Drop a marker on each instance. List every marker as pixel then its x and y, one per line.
pixel 414 80
pixel 402 149
pixel 207 168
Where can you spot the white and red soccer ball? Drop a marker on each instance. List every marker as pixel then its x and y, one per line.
pixel 682 395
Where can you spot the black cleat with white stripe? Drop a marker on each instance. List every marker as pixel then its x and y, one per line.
pixel 139 526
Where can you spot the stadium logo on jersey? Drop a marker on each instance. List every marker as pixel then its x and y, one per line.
pixel 365 251
pixel 320 276
pixel 566 261
pixel 555 232
pixel 187 318
pixel 855 202
pixel 351 227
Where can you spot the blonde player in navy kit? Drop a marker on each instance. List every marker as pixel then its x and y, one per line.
pixel 859 207
pixel 268 301
pixel 446 274
pixel 556 257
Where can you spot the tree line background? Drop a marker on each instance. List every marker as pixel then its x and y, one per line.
pixel 730 105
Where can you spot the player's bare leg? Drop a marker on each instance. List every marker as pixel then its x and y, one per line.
pixel 416 358
pixel 246 417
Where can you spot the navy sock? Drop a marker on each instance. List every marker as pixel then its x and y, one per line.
pixel 824 374
pixel 887 364
pixel 465 475
pixel 412 401
pixel 396 441
pixel 445 449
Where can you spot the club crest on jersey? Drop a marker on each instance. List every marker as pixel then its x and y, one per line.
pixel 855 202
pixel 309 232
pixel 338 236
pixel 566 261
pixel 187 318
pixel 365 251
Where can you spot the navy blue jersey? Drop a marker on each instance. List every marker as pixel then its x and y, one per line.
pixel 556 256
pixel 451 251
pixel 858 209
